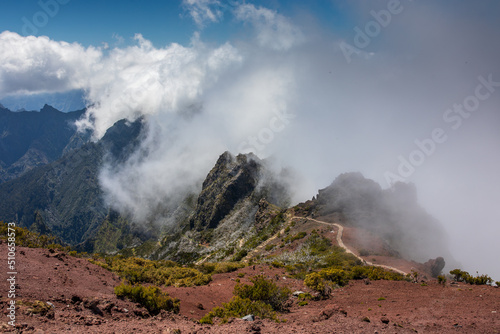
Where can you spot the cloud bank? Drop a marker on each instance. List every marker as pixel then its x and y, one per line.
pixel 286 89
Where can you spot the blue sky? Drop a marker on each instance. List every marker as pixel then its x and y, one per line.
pixel 352 92
pixel 94 22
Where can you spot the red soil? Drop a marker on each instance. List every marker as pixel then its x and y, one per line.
pixel 77 289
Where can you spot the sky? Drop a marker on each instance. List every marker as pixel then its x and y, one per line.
pixel 397 90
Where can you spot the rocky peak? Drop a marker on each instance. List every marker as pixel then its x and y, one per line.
pixel 231 179
pixel 349 191
pixel 49 109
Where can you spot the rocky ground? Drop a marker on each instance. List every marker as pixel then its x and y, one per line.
pixel 84 302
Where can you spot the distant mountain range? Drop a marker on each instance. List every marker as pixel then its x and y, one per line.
pixel 50 184
pixel 65 102
pixel 29 139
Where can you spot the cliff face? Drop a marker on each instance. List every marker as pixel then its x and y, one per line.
pixel 228 212
pixel 64 196
pixel 231 180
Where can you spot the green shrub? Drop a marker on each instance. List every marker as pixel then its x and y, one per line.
pixel 38 307
pixel 441 280
pixel 277 264
pixel 239 307
pixel 151 297
pixel 264 290
pixel 318 244
pixel 315 282
pixel 291 239
pixel 463 276
pixel 497 283
pixel 137 270
pixel 459 275
pixel 27 238
pixel 374 273
pixel 240 255
pixel 269 247
pixel 481 280
pixel 336 276
pixel 304 298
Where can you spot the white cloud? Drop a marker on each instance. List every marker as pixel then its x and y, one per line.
pixel 204 11
pixel 143 80
pixel 274 30
pixel 39 65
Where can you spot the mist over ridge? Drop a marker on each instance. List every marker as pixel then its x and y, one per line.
pixel 285 90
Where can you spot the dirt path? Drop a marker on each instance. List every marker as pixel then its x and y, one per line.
pixel 341 244
pixel 289 219
pixel 265 243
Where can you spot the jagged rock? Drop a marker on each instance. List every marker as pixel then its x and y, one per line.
pixel 231 180
pixel 435 266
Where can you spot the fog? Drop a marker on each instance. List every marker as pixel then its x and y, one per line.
pixel 313 98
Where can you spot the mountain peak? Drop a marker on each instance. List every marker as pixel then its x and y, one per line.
pixel 49 109
pixel 230 180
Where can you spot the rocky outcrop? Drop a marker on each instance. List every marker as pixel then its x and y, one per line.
pixel 393 214
pixel 435 266
pixel 231 180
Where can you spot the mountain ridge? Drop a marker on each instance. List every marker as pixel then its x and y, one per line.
pixel 30 139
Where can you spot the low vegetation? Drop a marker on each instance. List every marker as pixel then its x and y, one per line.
pixel 331 265
pixel 162 272
pixel 219 267
pixel 325 280
pixel 289 239
pixel 463 276
pixel 37 307
pixel 27 238
pixel 263 299
pixel 151 297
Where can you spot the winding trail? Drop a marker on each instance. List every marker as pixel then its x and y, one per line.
pixel 341 244
pixel 339 241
